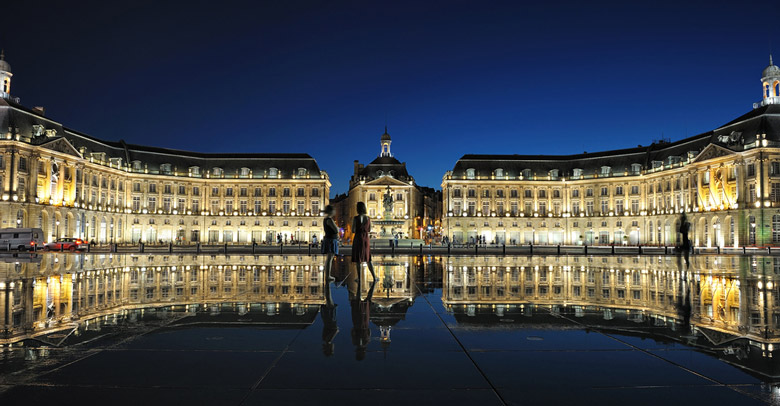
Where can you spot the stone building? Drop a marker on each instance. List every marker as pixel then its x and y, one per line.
pixel 73 185
pixel 372 183
pixel 726 180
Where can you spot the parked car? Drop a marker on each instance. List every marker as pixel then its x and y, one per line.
pixel 70 244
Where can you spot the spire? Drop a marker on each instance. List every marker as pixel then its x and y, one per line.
pixel 770 60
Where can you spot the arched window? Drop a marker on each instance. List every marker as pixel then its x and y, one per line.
pixel 766 90
pixel 776 87
pixel 301 172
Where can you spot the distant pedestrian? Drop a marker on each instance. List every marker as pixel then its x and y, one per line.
pixel 361 243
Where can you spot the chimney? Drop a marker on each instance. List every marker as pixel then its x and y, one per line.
pixel 40 110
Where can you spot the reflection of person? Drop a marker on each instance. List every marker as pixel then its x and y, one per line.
pixel 685 246
pixel 361 331
pixel 330 242
pixel 361 243
pixel 329 325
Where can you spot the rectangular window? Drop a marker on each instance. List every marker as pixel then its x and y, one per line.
pixel 258 206
pixel 751 170
pixel 195 206
pixel 152 188
pixel 152 204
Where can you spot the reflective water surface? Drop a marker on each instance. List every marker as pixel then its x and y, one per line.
pixel 503 330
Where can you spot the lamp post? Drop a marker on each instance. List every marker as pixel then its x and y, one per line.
pixel 57 222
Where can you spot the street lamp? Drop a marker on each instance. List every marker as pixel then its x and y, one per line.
pixel 57 222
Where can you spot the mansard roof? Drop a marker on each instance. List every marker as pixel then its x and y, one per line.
pixel 736 135
pixel 30 124
pixel 385 165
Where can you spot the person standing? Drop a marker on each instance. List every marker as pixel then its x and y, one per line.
pixel 361 242
pixel 330 242
pixel 685 247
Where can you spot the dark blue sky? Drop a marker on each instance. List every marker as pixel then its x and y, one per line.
pixel 451 77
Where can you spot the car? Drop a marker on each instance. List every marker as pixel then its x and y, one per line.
pixel 69 244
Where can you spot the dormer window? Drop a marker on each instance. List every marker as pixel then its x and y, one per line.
pixel 692 155
pixel 470 173
pixel 244 172
pixel 576 173
pixel 137 166
pixel 301 172
pixel 273 173
pixel 116 162
pixel 499 173
pixel 553 174
pixel 194 170
pixel 636 169
pixel 657 164
pixel 526 174
pixel 606 170
pixel 673 160
pixel 217 172
pixel 165 169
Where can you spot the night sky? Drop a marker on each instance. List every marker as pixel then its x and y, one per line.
pixel 449 77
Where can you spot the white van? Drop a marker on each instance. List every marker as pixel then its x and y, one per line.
pixel 21 238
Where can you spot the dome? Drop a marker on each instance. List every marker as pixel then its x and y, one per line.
pixel 385 136
pixel 4 66
pixel 771 70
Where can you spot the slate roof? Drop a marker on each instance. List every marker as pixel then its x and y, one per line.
pixel 741 131
pixel 383 166
pixel 21 120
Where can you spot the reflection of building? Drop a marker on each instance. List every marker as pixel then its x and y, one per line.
pixel 729 297
pixel 727 179
pixel 38 298
pixel 73 185
pixel 387 175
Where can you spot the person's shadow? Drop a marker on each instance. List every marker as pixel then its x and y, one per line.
pixel 361 331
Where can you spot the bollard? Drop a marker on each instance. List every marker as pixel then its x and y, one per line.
pixel 62 248
pixel 392 249
pixel 666 250
pixel 613 249
pixel 503 249
pixel 586 249
pixel 476 249
pixel 197 248
pixel 281 248
pixel 559 249
pixel 449 246
pixel 9 246
pixel 718 250
pixel 170 248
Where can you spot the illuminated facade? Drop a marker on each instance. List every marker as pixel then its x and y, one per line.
pixel 727 181
pixel 73 185
pixel 370 184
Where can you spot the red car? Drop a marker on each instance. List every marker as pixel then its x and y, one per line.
pixel 69 244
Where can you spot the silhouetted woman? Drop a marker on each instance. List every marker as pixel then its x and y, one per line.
pixel 330 242
pixel 361 243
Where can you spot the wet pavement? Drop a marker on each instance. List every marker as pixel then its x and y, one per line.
pixel 429 331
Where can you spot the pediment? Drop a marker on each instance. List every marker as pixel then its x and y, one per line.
pixel 712 151
pixel 387 180
pixel 61 145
